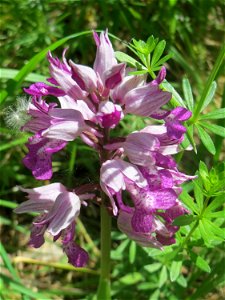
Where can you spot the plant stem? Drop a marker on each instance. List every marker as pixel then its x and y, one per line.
pixel 103 292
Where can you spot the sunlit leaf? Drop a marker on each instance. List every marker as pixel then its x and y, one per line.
pixel 131 278
pixel 206 140
pixel 189 201
pixel 178 101
pixel 175 270
pixel 163 276
pixel 198 194
pixel 123 57
pixel 158 52
pixel 209 96
pixel 217 129
pixel 188 96
pixel 214 115
pixel 132 252
pixel 202 264
pixel 153 267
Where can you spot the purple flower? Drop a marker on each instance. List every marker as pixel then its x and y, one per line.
pixel 38 160
pixel 109 114
pixel 91 102
pixel 59 208
pixel 173 119
pixel 42 89
pixel 105 57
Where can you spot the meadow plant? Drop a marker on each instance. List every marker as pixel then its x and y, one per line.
pixel 139 180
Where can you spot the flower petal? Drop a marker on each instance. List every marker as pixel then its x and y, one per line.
pixel 66 208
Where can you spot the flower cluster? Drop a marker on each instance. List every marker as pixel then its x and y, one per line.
pixel 92 102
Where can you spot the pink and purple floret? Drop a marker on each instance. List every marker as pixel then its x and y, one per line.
pixel 93 101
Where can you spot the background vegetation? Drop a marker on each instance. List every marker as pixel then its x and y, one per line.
pixel 193 31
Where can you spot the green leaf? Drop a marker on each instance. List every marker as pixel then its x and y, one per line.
pixel 163 276
pixel 15 142
pixel 183 220
pixel 8 203
pixel 141 46
pixel 188 96
pixel 158 52
pixel 214 115
pixel 209 225
pixel 153 267
pixel 18 287
pixel 32 77
pixel 202 264
pixel 189 201
pixel 198 194
pixel 132 252
pixel 206 140
pixel 163 60
pixel 178 101
pixel 175 270
pixel 218 130
pixel 206 235
pixel 155 295
pixel 217 214
pixel 117 253
pixel 131 278
pixel 141 72
pixel 182 281
pixel 209 96
pixel 123 57
pixel 7 262
pixel 203 170
pixel 217 202
pixel 147 286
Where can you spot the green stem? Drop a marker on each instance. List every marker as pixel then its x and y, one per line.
pixel 176 252
pixel 208 83
pixel 103 292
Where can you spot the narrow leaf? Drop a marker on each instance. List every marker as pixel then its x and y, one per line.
pixel 158 52
pixel 218 130
pixel 202 264
pixel 188 96
pixel 189 202
pixel 131 278
pixel 217 202
pixel 163 276
pixel 175 270
pixel 214 228
pixel 164 59
pixel 209 96
pixel 206 140
pixel 206 235
pixel 198 195
pixel 123 57
pixel 138 72
pixel 7 262
pixel 153 267
pixel 178 101
pixel 132 252
pixel 32 77
pixel 214 115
